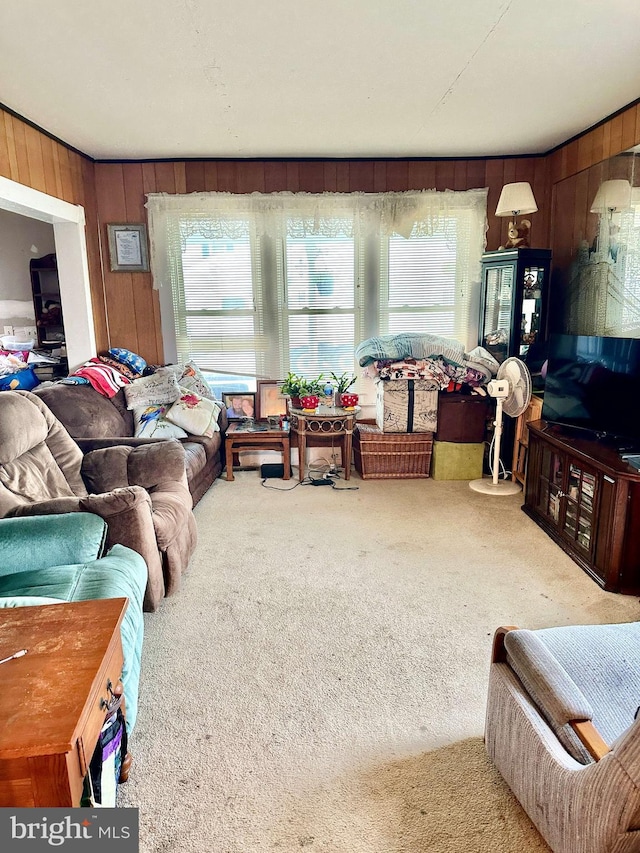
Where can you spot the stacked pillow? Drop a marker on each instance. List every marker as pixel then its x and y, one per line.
pixel 164 409
pixel 190 377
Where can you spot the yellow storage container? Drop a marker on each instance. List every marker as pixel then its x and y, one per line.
pixel 453 461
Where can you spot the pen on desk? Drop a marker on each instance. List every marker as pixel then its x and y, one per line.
pixel 16 655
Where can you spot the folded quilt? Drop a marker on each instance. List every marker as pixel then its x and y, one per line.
pixel 408 345
pixel 104 379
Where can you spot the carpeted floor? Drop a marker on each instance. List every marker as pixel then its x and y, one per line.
pixel 320 679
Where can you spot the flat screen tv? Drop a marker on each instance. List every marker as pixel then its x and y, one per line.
pixel 593 383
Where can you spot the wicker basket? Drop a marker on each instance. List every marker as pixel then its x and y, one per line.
pixel 391 456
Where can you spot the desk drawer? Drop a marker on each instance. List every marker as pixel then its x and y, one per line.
pixel 96 706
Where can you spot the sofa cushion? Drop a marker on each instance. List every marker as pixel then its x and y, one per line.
pixel 27 600
pixel 87 414
pixel 86 542
pixel 195 458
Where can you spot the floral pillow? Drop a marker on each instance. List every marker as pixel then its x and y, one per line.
pixel 150 422
pixel 159 389
pixel 193 380
pixel 194 413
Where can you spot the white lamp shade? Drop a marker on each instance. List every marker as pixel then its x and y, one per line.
pixel 516 198
pixel 612 196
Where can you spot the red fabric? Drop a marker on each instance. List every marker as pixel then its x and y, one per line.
pixel 102 378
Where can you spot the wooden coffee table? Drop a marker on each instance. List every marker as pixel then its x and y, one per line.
pixel 241 436
pixel 52 701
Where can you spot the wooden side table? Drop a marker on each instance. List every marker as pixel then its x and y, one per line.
pixel 241 436
pixel 52 701
pixel 327 423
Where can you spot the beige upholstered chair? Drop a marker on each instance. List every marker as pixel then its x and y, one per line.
pixel 561 729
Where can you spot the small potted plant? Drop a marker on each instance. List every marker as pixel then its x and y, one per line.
pixel 296 387
pixel 343 383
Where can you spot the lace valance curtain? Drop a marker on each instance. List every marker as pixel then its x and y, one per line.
pixel 173 218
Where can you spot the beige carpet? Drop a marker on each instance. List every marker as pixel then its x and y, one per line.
pixel 319 681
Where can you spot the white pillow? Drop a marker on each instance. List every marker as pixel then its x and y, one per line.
pixel 160 388
pixel 27 600
pixel 195 414
pixel 150 422
pixel 193 380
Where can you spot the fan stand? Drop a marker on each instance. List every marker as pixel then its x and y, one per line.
pixel 495 486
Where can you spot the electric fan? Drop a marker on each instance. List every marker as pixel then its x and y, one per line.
pixel 512 390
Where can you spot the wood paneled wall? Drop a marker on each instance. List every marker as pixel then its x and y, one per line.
pixel 132 305
pixel 29 157
pixel 125 306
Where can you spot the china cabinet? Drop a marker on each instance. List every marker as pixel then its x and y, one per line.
pixel 514 299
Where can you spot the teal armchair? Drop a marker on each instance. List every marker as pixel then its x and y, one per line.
pixel 48 558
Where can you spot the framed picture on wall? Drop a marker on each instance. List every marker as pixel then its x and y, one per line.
pixel 128 248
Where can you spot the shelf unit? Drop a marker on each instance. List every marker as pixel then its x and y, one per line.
pixel 533 412
pixel 45 287
pixel 514 297
pixel 587 499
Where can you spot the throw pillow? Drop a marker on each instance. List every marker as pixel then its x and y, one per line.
pixel 124 369
pixel 125 356
pixel 150 422
pixel 193 380
pixel 21 380
pixel 194 413
pixel 159 389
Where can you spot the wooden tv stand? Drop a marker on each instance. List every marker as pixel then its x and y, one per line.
pixel 587 499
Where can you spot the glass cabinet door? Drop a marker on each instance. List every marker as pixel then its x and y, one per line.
pixel 531 307
pixel 551 481
pixel 499 285
pixel 578 517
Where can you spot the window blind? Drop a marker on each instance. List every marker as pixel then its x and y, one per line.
pixel 262 284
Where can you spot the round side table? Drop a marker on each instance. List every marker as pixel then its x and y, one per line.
pixel 326 422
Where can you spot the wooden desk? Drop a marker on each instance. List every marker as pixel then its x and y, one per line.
pixel 51 700
pixel 240 436
pixel 326 423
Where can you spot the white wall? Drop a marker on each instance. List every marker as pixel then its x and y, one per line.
pixel 21 239
pixel 71 252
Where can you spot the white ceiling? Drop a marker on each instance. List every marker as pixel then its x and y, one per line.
pixel 317 78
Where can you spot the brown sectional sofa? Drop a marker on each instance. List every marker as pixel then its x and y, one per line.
pixel 96 422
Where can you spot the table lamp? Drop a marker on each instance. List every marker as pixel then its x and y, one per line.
pixel 515 199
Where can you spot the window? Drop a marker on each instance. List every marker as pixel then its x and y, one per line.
pixel 263 284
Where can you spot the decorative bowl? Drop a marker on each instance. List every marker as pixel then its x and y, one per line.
pixel 310 401
pixel 348 401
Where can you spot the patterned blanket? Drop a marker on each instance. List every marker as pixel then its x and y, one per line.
pixel 398 356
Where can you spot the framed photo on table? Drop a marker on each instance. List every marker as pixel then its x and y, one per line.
pixel 240 405
pixel 128 248
pixel 271 400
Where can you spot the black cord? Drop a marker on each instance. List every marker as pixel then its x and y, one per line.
pixel 279 489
